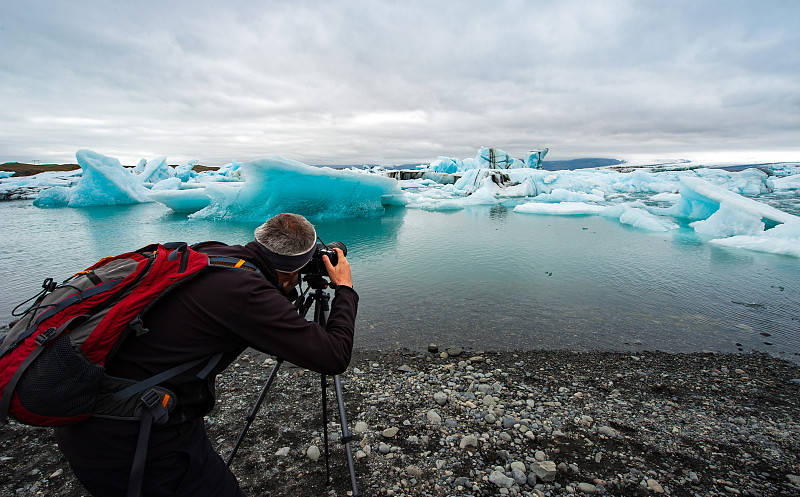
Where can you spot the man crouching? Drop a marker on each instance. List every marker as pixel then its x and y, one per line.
pixel 219 312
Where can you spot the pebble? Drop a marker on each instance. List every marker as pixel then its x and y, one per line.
pixel 500 479
pixel 655 486
pixel 454 351
pixel 283 451
pixel 469 441
pixel 544 470
pixel 313 453
pixel 521 424
pixel 608 431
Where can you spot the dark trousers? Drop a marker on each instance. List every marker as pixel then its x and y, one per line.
pixel 193 470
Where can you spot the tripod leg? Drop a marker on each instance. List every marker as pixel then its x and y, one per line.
pixel 346 438
pixel 254 411
pixel 325 427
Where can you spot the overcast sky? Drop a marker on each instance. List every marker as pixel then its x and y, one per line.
pixel 339 82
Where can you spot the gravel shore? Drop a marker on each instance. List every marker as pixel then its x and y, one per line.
pixel 494 423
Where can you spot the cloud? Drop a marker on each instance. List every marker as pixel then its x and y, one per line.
pixel 382 82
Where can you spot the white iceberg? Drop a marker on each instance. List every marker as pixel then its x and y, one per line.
pixel 782 239
pixel 488 158
pixel 103 181
pixel 275 185
pixel 156 170
pixel 700 199
pixel 787 182
pixel 29 187
pixel 713 202
pixel 182 201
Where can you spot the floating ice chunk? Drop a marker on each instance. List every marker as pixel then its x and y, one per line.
pixel 748 182
pixel 525 188
pixel 636 214
pixel 701 199
pixel 729 220
pixel 433 199
pixel 6 174
pixel 448 198
pixel 563 209
pixel 633 214
pixel 183 201
pixel 186 171
pixel 230 172
pixel 785 169
pixel 105 182
pixel 470 180
pixel 475 179
pixel 445 165
pixel 640 218
pixel 488 158
pixel 275 185
pixel 666 197
pixel 156 170
pixel 562 195
pixel 535 158
pixel 139 167
pixel 167 184
pixel 550 178
pixel 782 239
pixel 407 184
pixel 787 182
pixel 29 187
pixel 57 196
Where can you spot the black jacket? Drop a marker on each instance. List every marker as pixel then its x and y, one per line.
pixel 221 310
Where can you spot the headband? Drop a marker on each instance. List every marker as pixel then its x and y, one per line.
pixel 287 263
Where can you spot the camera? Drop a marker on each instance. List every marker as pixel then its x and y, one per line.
pixel 315 266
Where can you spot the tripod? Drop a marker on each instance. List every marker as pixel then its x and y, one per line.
pixel 321 299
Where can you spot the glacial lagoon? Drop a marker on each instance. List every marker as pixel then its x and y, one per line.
pixel 482 277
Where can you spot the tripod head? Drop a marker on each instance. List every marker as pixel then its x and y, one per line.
pixel 316 281
pixel 303 303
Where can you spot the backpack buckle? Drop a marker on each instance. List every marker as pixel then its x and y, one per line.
pixel 151 399
pixel 138 326
pixel 46 335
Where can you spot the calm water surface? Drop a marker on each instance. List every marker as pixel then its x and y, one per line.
pixel 482 278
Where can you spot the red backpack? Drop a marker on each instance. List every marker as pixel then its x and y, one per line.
pixel 52 360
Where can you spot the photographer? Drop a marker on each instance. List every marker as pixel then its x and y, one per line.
pixel 220 311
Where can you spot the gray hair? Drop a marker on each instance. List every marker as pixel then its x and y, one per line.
pixel 287 234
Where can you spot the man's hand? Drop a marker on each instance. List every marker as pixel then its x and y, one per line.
pixel 340 273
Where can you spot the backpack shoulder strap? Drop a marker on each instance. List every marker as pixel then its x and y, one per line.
pixel 234 262
pixel 209 243
pixel 224 261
